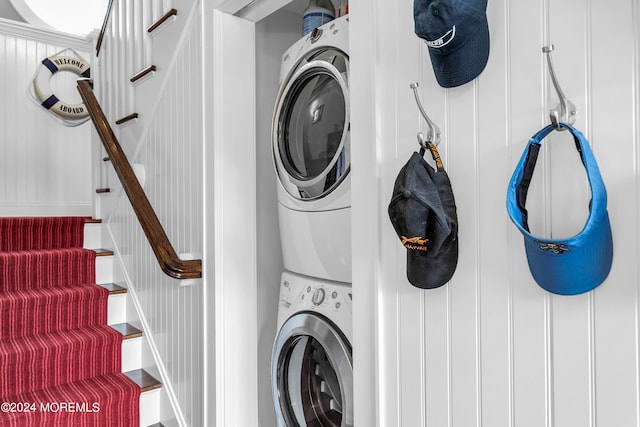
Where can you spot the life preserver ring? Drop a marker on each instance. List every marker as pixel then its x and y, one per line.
pixel 68 113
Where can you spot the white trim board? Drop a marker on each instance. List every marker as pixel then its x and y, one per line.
pixel 49 36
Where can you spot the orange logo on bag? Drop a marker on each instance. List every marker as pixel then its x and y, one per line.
pixel 417 243
pixel 554 248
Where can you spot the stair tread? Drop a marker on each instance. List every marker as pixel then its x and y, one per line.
pixel 82 385
pixel 103 252
pixel 113 288
pixel 150 70
pixel 38 292
pixel 50 250
pixel 113 392
pixel 162 20
pixel 132 116
pixel 42 271
pixel 58 336
pixel 71 355
pixel 45 310
pixel 144 380
pixel 127 330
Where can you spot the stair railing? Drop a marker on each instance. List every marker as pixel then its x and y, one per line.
pixel 103 30
pixel 169 261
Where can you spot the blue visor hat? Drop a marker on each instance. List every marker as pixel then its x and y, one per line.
pixel 564 266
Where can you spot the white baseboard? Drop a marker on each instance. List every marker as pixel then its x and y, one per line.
pixel 46 209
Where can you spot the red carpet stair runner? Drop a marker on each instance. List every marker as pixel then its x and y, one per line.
pixel 60 363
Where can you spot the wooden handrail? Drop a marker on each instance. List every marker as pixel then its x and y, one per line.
pixel 104 28
pixel 169 261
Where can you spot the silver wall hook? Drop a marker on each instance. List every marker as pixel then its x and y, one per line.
pixel 433 133
pixel 565 111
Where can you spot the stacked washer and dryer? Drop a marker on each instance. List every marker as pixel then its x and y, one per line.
pixel 312 370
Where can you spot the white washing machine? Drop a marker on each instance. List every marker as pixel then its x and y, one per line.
pixel 311 365
pixel 311 151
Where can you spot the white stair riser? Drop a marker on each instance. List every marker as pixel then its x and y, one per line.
pixel 150 407
pixel 92 236
pixel 117 310
pixel 131 354
pixel 104 269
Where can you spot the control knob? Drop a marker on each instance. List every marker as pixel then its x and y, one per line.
pixel 318 296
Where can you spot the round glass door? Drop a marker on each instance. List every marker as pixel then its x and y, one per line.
pixel 312 376
pixel 311 127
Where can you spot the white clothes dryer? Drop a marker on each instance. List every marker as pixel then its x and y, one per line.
pixel 311 152
pixel 311 365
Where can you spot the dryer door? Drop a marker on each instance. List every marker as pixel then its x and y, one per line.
pixel 312 374
pixel 311 125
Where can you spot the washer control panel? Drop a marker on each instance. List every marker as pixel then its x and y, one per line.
pixel 313 294
pixel 331 299
pixel 320 297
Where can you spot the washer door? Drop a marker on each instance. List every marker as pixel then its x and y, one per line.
pixel 310 138
pixel 312 374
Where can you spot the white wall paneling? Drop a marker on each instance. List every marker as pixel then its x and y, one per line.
pixel 492 348
pixel 127 49
pixel 43 164
pixel 168 141
pixel 231 207
pixel 196 138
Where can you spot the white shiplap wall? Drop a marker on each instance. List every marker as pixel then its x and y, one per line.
pixel 126 50
pixel 167 142
pixel 492 348
pixel 43 164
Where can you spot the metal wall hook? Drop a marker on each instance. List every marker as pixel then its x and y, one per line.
pixel 433 134
pixel 565 111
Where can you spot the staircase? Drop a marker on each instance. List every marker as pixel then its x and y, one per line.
pixel 142 38
pixel 135 62
pixel 66 354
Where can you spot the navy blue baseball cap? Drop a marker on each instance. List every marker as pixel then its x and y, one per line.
pixel 457 35
pixel 423 213
pixel 564 266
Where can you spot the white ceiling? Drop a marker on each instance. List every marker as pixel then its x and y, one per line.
pixel 70 16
